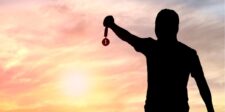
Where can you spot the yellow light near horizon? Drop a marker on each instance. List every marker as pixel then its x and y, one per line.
pixel 74 84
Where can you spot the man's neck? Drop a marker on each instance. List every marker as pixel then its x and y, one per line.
pixel 168 41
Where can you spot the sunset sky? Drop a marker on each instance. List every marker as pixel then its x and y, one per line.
pixel 52 59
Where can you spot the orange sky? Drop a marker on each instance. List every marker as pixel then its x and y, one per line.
pixel 52 59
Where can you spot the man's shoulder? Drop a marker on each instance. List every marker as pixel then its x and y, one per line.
pixel 150 39
pixel 186 48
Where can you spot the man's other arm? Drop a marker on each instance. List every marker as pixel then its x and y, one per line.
pixel 199 77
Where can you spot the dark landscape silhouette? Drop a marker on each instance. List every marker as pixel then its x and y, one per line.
pixel 169 64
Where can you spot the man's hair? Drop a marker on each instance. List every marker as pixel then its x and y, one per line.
pixel 167 16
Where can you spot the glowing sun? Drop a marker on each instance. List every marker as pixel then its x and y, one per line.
pixel 74 84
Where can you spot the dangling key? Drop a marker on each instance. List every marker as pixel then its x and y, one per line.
pixel 105 41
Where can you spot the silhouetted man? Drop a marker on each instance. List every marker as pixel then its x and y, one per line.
pixel 169 64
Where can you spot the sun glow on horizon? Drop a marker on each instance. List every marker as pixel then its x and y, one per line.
pixel 74 84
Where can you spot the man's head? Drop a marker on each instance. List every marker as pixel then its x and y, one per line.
pixel 167 25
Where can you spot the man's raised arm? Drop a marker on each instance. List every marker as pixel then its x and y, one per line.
pixel 120 32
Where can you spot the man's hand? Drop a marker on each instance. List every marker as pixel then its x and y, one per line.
pixel 108 21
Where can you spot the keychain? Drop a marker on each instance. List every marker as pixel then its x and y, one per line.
pixel 105 41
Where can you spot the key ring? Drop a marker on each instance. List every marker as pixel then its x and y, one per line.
pixel 105 41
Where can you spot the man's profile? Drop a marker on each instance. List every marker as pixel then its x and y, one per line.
pixel 169 64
